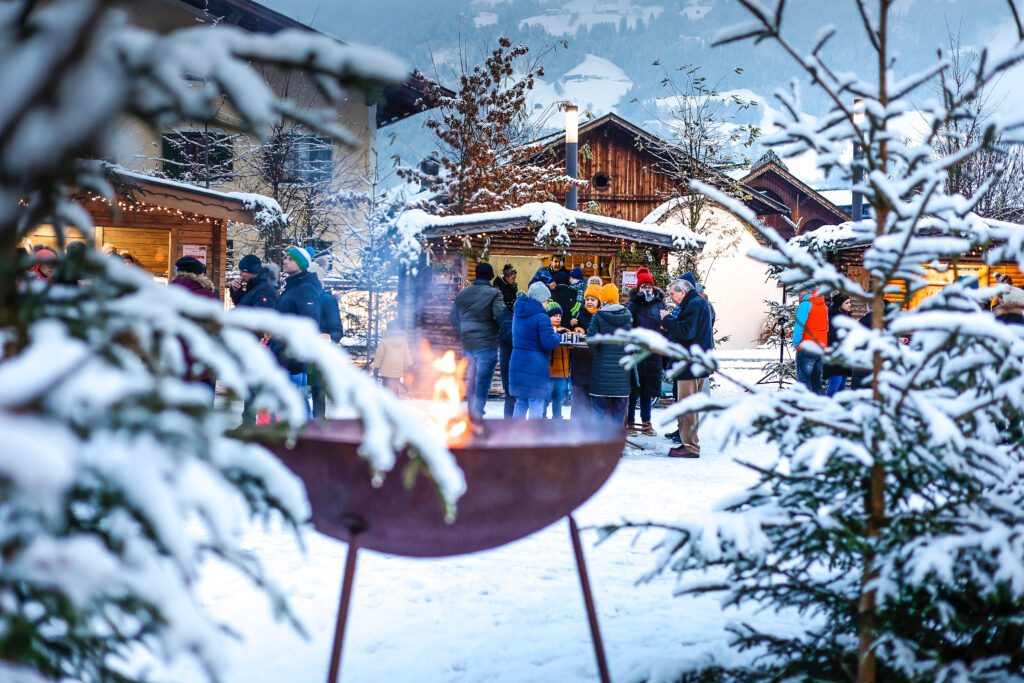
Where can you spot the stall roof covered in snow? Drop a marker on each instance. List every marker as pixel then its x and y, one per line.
pixel 235 206
pixel 851 235
pixel 555 224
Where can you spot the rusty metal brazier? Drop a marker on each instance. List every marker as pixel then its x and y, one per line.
pixel 521 475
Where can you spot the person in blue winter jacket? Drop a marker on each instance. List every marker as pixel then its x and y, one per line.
pixel 533 339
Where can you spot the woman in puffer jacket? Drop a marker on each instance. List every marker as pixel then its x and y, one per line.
pixel 533 339
pixel 609 381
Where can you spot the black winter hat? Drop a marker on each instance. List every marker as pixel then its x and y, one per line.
pixel 251 264
pixel 838 299
pixel 554 310
pixel 189 264
pixel 484 271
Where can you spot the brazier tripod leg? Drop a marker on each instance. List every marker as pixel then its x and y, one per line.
pixel 588 600
pixel 346 595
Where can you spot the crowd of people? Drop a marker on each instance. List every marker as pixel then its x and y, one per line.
pixel 257 286
pixel 815 331
pixel 542 342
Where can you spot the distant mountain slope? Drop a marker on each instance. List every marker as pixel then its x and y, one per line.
pixel 612 43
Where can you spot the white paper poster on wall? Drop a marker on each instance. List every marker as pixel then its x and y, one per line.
pixel 197 251
pixel 629 278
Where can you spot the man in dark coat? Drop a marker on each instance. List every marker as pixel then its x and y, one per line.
pixel 555 269
pixel 301 296
pixel 836 374
pixel 254 286
pixel 581 358
pixel 257 288
pixel 690 324
pixel 505 357
pixel 646 303
pixel 475 317
pixel 609 381
pixel 506 284
pixel 564 296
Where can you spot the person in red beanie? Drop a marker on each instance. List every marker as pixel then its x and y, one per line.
pixel 46 263
pixel 646 302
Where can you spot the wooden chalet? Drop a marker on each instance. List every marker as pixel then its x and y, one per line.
pixel 607 247
pixel 157 222
pixel 623 171
pixel 807 209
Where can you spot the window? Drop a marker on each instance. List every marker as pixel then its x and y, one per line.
pixel 197 155
pixel 307 158
pixel 601 181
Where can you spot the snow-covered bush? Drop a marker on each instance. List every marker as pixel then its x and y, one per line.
pixel 118 476
pixel 893 518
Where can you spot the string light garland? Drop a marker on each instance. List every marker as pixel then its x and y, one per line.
pixel 138 207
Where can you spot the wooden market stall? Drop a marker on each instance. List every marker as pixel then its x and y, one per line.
pixel 845 249
pixel 610 248
pixel 157 222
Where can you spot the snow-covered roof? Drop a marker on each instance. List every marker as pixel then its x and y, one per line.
pixel 852 235
pixel 239 207
pixel 555 224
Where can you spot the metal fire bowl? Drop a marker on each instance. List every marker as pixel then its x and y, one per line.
pixel 521 476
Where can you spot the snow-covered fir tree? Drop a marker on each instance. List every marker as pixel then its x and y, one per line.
pixel 118 475
pixel 892 520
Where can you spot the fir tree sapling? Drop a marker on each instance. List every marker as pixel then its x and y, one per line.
pixel 119 474
pixel 892 521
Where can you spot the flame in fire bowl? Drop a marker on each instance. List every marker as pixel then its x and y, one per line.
pixel 521 476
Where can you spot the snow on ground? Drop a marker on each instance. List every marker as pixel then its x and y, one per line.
pixel 510 614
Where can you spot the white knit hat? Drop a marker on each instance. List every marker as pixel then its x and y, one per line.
pixel 540 292
pixel 1013 295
